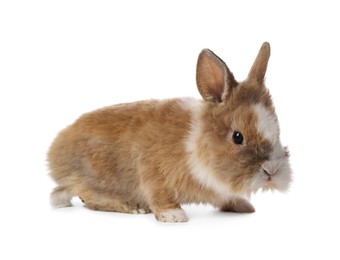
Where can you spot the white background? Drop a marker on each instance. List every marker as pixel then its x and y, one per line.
pixel 59 59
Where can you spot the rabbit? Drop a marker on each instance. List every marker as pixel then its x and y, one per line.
pixel 156 155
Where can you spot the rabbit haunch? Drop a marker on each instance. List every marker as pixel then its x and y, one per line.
pixel 153 156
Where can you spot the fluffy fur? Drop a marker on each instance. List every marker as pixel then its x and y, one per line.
pixel 153 156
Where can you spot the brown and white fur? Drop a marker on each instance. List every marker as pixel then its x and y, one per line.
pixel 153 156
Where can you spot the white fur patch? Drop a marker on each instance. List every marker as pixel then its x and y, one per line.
pixel 190 104
pixel 267 124
pixel 280 180
pixel 278 168
pixel 173 215
pixel 202 173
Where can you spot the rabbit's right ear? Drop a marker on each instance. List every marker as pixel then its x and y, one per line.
pixel 213 78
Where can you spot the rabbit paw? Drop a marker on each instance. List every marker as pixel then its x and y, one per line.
pixel 172 215
pixel 238 205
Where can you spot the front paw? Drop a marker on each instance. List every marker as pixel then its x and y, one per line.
pixel 172 215
pixel 238 205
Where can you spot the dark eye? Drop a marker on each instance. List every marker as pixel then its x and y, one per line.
pixel 237 137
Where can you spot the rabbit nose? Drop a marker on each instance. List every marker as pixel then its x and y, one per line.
pixel 270 171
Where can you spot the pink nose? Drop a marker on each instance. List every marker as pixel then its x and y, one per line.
pixel 270 171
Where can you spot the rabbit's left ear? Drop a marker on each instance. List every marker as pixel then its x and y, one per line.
pixel 259 68
pixel 213 78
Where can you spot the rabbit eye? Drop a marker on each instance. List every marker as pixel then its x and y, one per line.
pixel 237 137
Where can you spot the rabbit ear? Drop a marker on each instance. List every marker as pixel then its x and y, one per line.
pixel 213 78
pixel 258 70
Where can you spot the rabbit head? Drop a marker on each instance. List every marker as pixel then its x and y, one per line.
pixel 240 137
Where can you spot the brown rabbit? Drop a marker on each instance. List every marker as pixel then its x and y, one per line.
pixel 153 156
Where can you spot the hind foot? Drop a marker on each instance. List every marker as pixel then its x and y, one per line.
pixel 115 207
pixel 140 211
